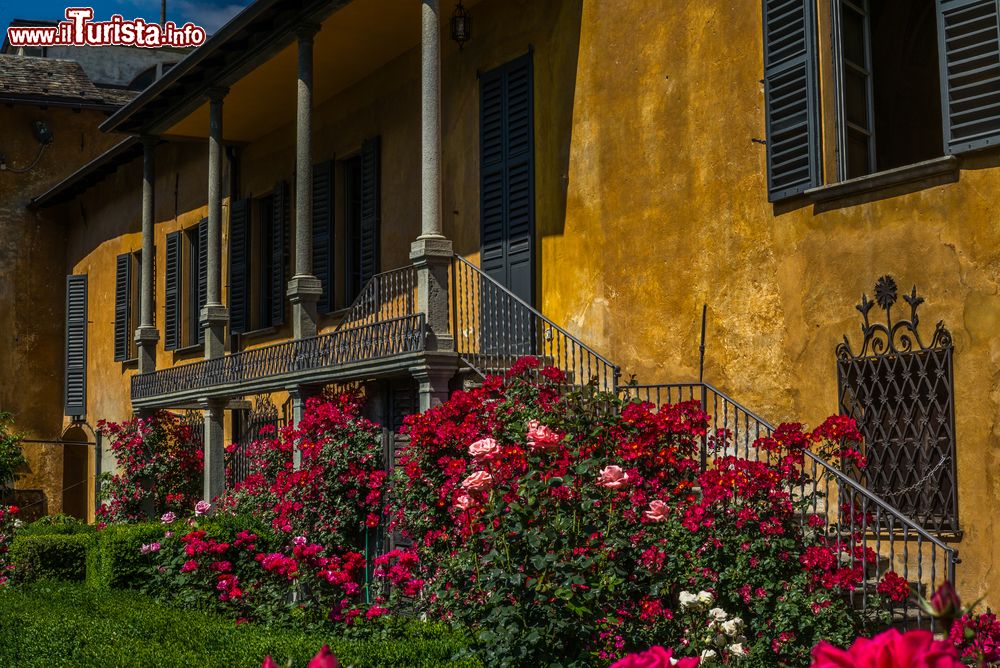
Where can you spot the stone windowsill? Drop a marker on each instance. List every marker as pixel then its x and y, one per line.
pixel 192 348
pixel 928 169
pixel 258 333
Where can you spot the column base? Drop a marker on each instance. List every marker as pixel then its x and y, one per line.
pixel 214 318
pixel 146 339
pixel 303 292
pixel 432 256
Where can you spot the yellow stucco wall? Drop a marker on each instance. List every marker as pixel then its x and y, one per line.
pixel 32 286
pixel 651 200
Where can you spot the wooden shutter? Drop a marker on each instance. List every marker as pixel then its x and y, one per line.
pixel 371 209
pixel 279 252
pixel 75 400
pixel 507 191
pixel 791 98
pixel 202 291
pixel 969 53
pixel 123 305
pixel 172 288
pixel 239 237
pixel 322 228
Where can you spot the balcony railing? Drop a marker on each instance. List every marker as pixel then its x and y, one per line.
pixel 274 363
pixel 854 517
pixel 389 295
pixel 493 328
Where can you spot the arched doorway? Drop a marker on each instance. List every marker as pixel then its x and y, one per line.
pixel 76 479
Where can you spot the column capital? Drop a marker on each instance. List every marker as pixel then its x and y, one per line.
pixel 427 248
pixel 303 289
pixel 216 93
pixel 307 31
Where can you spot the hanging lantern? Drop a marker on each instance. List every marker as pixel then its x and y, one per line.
pixel 461 25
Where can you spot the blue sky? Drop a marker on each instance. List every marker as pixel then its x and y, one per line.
pixel 209 15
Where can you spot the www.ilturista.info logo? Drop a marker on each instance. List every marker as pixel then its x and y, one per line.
pixel 79 29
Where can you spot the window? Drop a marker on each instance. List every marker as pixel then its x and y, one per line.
pixel 185 286
pixel 322 227
pixel 914 79
pixel 362 218
pixel 889 102
pixel 258 261
pixel 127 268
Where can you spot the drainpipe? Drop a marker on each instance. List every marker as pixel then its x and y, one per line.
pixel 146 335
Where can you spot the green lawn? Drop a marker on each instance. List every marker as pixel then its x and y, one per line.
pixel 61 624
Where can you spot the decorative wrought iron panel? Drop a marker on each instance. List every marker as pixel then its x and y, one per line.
pixel 900 392
pixel 251 425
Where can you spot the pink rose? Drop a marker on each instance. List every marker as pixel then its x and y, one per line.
pixel 483 448
pixel 464 502
pixel 541 437
pixel 202 507
pixel 480 481
pixel 324 659
pixel 658 511
pixel 655 657
pixel 891 649
pixel 268 662
pixel 612 477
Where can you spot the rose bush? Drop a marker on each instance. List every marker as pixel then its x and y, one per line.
pixel 159 468
pixel 565 528
pixel 7 518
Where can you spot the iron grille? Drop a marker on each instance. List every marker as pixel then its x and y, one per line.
pixel 250 426
pixel 900 392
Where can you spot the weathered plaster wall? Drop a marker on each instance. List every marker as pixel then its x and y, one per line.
pixel 32 283
pixel 667 210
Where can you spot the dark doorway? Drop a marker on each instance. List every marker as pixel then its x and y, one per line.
pixel 75 484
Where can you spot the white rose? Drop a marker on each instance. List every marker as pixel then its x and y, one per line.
pixel 708 655
pixel 706 597
pixel 736 649
pixel 687 599
pixel 733 626
pixel 718 614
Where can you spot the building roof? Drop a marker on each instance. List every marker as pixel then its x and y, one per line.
pixel 89 174
pixel 49 81
pixel 18 23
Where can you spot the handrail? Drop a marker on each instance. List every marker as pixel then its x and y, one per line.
pixel 493 327
pixel 877 527
pixel 387 295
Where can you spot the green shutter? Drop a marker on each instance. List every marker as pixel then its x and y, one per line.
pixel 123 315
pixel 322 228
pixel 279 252
pixel 75 391
pixel 371 209
pixel 969 53
pixel 172 288
pixel 202 290
pixel 239 237
pixel 791 98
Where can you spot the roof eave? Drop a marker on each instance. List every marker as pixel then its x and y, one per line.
pixel 64 190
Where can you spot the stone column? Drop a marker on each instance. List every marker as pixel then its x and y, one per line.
pixel 146 335
pixel 214 315
pixel 298 395
pixel 432 385
pixel 215 452
pixel 432 253
pixel 304 289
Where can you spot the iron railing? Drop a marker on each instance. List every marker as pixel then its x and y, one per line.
pixel 249 426
pixel 854 517
pixel 493 328
pixel 354 344
pixel 386 296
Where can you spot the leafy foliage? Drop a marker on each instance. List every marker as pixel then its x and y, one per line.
pixel 116 560
pixel 11 454
pixel 49 557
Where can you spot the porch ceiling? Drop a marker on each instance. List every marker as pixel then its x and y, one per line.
pixel 356 40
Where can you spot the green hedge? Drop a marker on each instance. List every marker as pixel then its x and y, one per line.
pixel 49 557
pixel 55 524
pixel 114 560
pixel 61 624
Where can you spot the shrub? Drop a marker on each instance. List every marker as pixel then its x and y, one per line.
pixel 51 624
pixel 49 557
pixel 567 528
pixel 7 514
pixel 11 455
pixel 116 559
pixel 160 468
pixel 55 524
